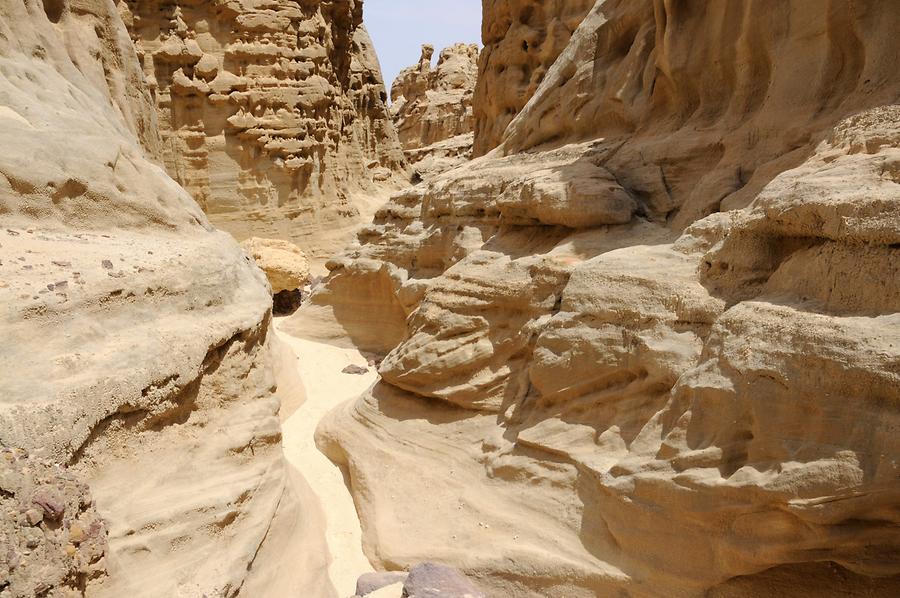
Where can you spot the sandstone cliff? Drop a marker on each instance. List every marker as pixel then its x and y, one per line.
pixel 135 336
pixel 522 39
pixel 272 113
pixel 650 344
pixel 432 108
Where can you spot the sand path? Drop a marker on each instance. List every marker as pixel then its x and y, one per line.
pixel 319 367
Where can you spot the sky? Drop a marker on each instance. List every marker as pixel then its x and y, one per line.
pixel 400 27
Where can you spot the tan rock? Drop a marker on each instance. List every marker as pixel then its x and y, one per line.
pixel 650 341
pixel 522 39
pixel 273 115
pixel 433 106
pixel 283 262
pixel 135 335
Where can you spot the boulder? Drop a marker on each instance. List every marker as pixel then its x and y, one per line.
pixel 431 580
pixel 284 263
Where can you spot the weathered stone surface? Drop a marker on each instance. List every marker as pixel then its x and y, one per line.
pixel 134 334
pixel 659 325
pixel 272 113
pixel 56 548
pixel 522 39
pixel 432 108
pixel 284 263
pixel 431 580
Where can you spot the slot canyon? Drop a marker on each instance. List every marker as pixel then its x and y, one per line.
pixel 605 305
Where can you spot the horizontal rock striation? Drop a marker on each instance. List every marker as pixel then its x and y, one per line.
pixel 432 109
pixel 272 114
pixel 650 344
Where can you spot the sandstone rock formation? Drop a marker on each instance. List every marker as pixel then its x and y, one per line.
pixel 649 345
pixel 135 347
pixel 432 108
pixel 522 39
pixel 283 262
pixel 272 113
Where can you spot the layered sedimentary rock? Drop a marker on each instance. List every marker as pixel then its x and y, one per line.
pixel 273 114
pixel 650 345
pixel 522 39
pixel 432 108
pixel 135 346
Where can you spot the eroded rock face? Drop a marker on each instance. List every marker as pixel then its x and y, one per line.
pixel 273 114
pixel 432 109
pixel 522 39
pixel 659 326
pixel 135 334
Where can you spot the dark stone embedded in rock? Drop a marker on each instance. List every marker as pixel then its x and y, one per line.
pixel 371 582
pixel 430 580
pixel 51 501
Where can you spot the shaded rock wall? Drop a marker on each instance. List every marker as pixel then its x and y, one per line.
pixel 273 114
pixel 658 327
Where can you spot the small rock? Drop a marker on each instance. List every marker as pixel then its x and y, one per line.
pixel 355 370
pixel 50 500
pixel 62 264
pixel 76 534
pixel 373 359
pixel 107 264
pixel 430 580
pixel 369 582
pixel 34 516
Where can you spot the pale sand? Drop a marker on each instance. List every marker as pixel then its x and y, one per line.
pixel 319 367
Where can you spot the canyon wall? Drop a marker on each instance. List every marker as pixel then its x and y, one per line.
pixel 522 39
pixel 432 109
pixel 649 345
pixel 135 335
pixel 273 115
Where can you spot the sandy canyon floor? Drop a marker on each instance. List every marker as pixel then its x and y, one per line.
pixel 310 391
